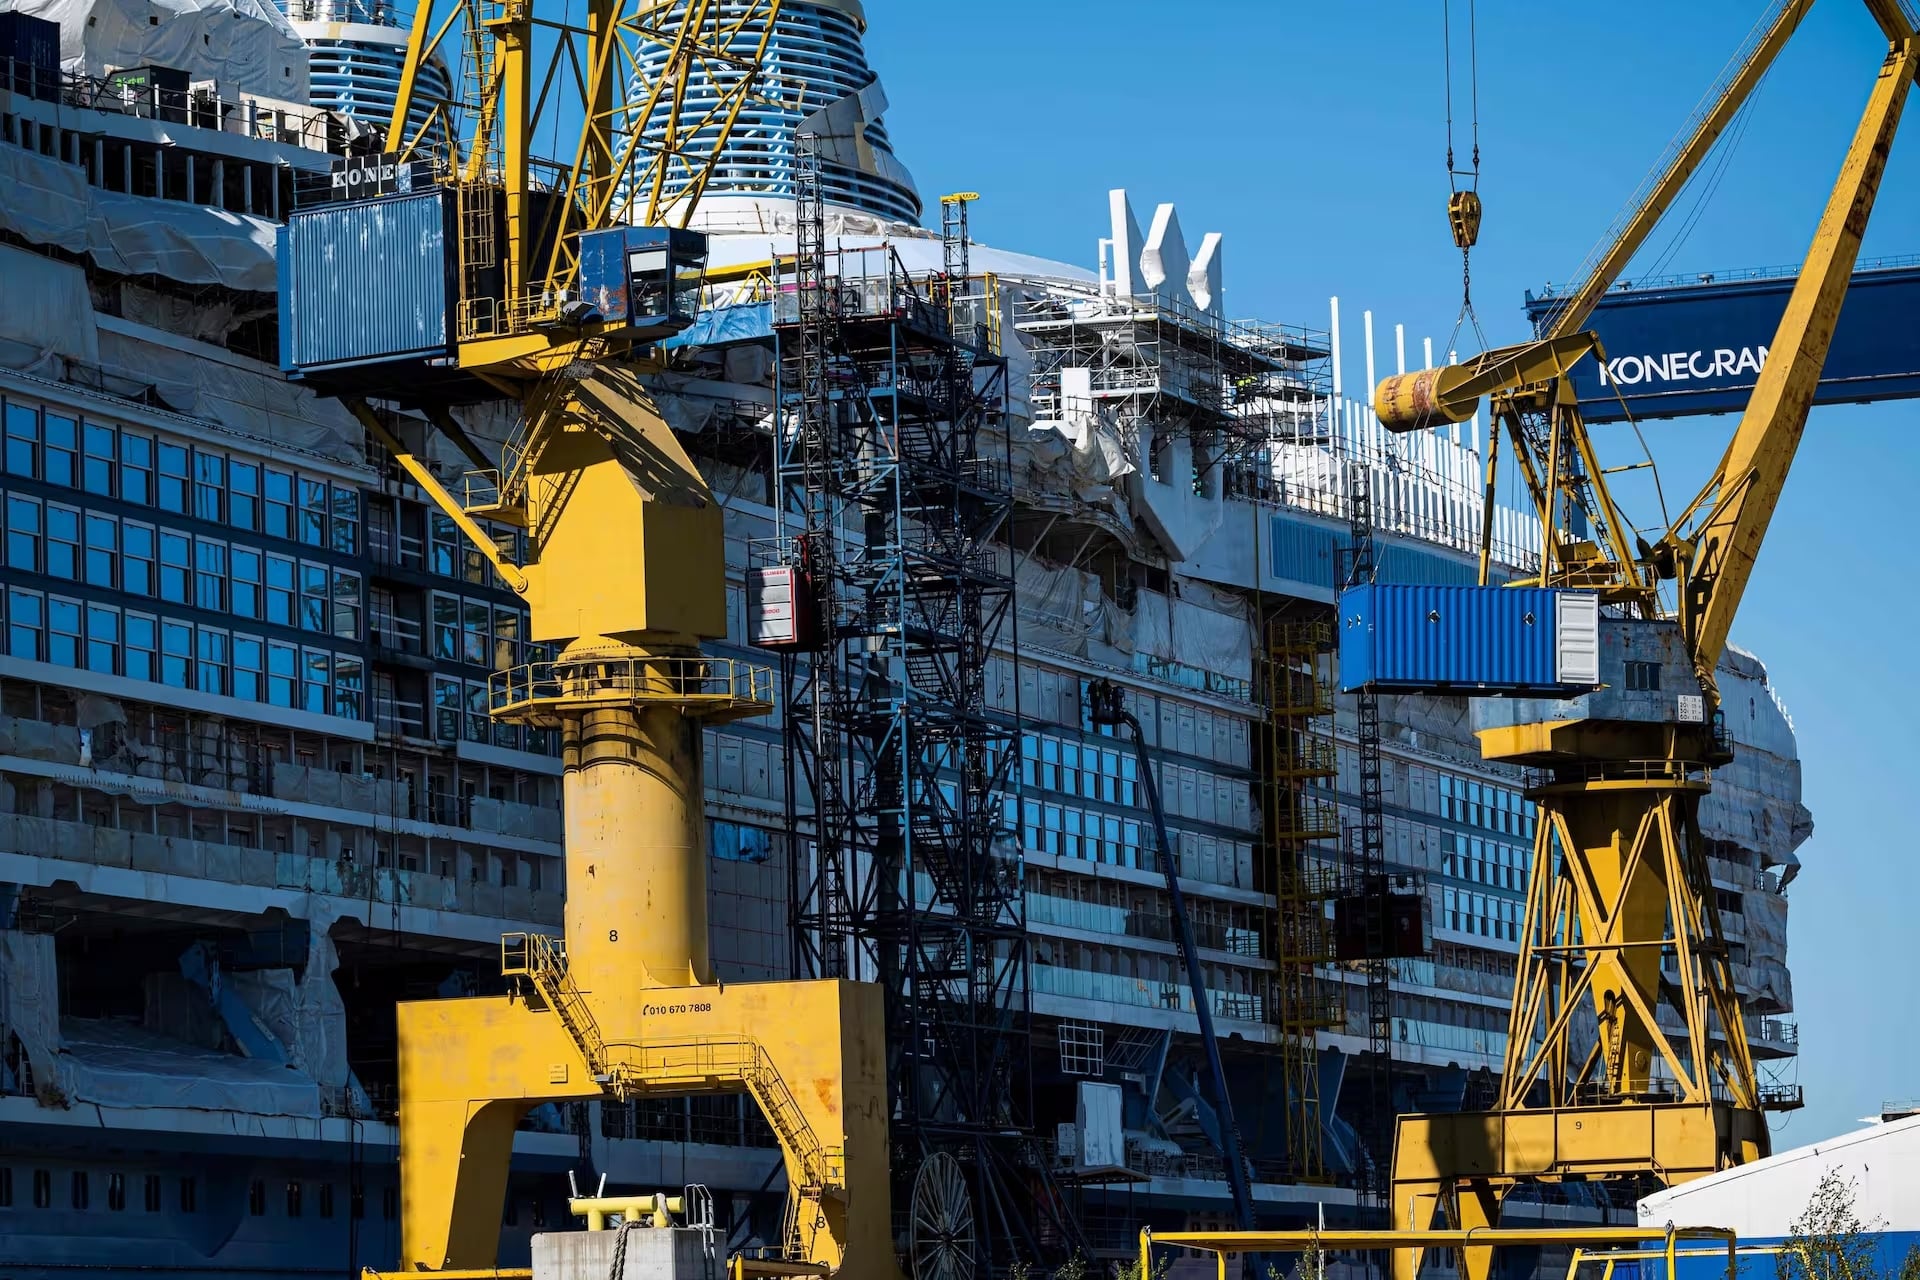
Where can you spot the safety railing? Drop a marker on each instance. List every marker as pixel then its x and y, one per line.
pixel 699 686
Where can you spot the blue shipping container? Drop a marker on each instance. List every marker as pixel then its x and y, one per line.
pixel 1468 640
pixel 367 281
pixel 1675 349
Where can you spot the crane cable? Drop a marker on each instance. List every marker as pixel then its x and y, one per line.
pixel 1463 199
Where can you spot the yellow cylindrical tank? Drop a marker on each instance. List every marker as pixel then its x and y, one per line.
pixel 1421 399
pixel 636 907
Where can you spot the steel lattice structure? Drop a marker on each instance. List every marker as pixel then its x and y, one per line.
pixel 901 777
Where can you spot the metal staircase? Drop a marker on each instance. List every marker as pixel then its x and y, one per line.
pixel 676 1066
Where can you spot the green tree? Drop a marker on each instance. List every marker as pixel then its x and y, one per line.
pixel 1831 1241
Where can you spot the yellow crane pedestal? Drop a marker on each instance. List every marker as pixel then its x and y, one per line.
pixel 626 574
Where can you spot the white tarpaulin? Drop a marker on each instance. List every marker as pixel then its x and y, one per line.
pixel 307 1017
pixel 48 310
pixel 1196 635
pixel 30 1007
pixel 256 401
pixel 117 1064
pixel 50 203
pixel 247 46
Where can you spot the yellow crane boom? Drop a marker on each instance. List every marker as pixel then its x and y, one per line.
pixel 1619 880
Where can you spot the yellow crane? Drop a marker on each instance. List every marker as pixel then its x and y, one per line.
pixel 1593 1086
pixel 559 275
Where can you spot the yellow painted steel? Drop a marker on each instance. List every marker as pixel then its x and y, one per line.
pixel 1620 880
pixel 1476 1243
pixel 643 150
pixel 625 574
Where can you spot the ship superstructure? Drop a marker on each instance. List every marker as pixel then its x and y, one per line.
pixel 257 797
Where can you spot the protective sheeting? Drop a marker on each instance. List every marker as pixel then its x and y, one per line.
pixel 246 46
pixel 1063 609
pixel 254 401
pixel 50 203
pixel 1082 451
pixel 117 1064
pixel 1211 634
pixel 30 1008
pixel 48 312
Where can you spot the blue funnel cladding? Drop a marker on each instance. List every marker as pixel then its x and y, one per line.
pixel 815 57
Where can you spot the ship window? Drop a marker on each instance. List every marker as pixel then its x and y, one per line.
pixel 313 512
pixel 279 503
pixel 280 577
pixel 346 520
pixel 356 1203
pixel 23 533
pixel 210 575
pixel 62 444
pixel 136 469
pixel 63 542
pixel 293 1199
pixel 98 468
pixel 136 563
pixel 63 631
pixel 1643 677
pixel 257 1198
pixel 189 1196
pixel 176 654
pixel 243 503
pixel 141 646
pixel 313 596
pixel 24 636
pixel 318 671
pixel 209 486
pixel 103 549
pixel 283 662
pixel 42 1189
pixel 346 604
pixel 212 667
pixel 80 1189
pixel 6 1187
pixel 116 1191
pixel 152 1193
pixel 248 655
pixel 173 478
pixel 176 558
pixel 23 439
pixel 103 639
pixel 326 1199
pixel 246 582
pixel 347 686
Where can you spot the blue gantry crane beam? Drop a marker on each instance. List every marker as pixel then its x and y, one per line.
pixel 1678 346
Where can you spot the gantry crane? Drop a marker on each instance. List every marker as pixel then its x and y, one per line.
pixel 545 283
pixel 1593 1086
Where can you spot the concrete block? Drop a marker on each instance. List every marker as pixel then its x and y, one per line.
pixel 651 1254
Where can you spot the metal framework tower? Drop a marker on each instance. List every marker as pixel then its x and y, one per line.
pixel 1367 873
pixel 902 778
pixel 1300 826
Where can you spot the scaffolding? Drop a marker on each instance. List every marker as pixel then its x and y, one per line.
pixel 1301 825
pixel 901 777
pixel 1147 360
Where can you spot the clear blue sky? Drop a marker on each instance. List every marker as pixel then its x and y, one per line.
pixel 1312 137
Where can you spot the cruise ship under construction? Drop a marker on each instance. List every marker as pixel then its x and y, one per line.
pixel 254 796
